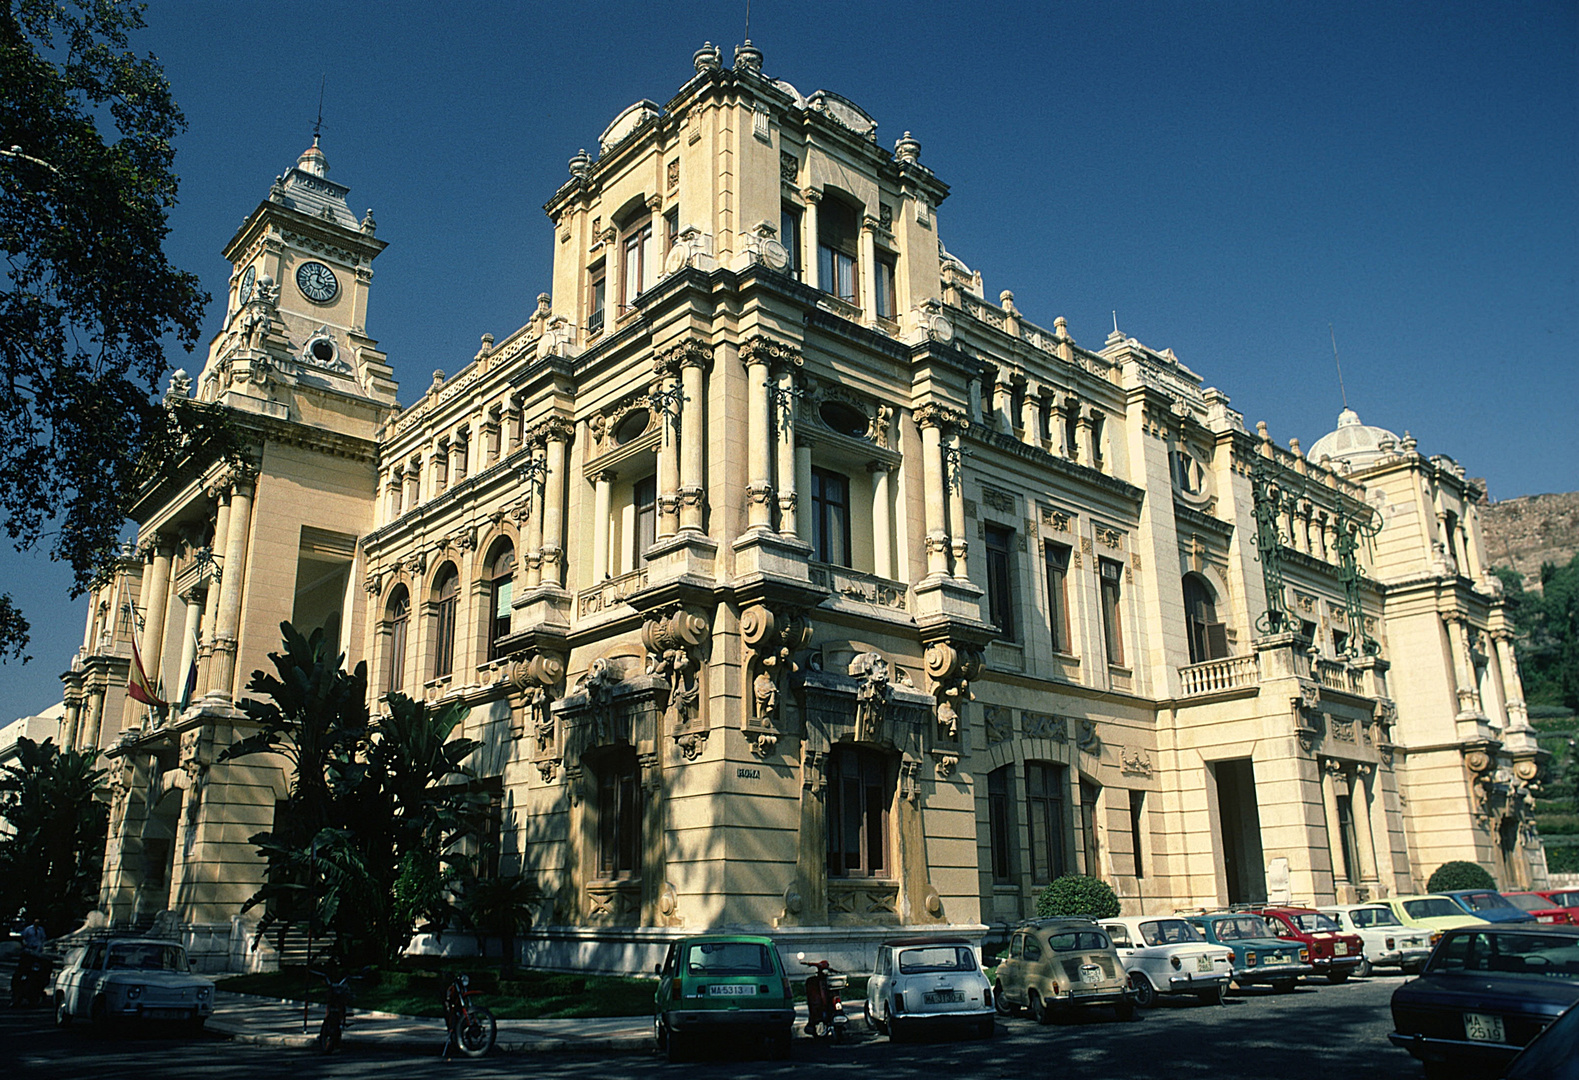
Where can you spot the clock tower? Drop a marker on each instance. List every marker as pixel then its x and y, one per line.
pixel 296 309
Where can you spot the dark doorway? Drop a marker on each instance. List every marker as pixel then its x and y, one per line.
pixel 1240 821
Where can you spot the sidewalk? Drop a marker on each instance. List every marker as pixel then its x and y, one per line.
pixel 272 1022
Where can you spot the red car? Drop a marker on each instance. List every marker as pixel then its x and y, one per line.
pixel 1554 906
pixel 1332 952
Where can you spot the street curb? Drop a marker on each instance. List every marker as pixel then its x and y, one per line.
pixel 514 1044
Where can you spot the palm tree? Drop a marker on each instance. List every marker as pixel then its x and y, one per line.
pixel 51 862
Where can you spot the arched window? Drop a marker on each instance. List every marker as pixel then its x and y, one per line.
pixel 399 616
pixel 838 234
pixel 446 598
pixel 501 574
pixel 1208 637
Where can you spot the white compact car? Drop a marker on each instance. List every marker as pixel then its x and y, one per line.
pixel 1388 942
pixel 130 979
pixel 924 982
pixel 1166 955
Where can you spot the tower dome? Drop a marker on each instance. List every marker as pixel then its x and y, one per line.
pixel 1354 445
pixel 313 160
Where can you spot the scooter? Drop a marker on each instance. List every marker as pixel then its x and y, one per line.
pixel 336 1012
pixel 824 1006
pixel 29 980
pixel 472 1028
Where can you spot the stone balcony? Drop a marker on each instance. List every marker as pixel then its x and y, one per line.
pixel 1284 656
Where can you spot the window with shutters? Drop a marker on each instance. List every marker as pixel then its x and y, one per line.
pixel 1000 579
pixel 1000 824
pixel 1112 618
pixel 1056 559
pixel 446 600
pixel 1045 801
pixel 860 794
pixel 1208 637
pixel 399 610
pixel 501 577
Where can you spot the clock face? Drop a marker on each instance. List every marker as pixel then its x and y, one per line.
pixel 317 282
pixel 247 281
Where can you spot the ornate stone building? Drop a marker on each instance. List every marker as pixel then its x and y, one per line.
pixel 795 584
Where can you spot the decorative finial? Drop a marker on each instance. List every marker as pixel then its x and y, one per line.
pixel 581 165
pixel 907 148
pixel 748 58
pixel 708 58
pixel 1061 327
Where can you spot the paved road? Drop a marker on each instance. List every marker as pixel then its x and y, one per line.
pixel 1320 1032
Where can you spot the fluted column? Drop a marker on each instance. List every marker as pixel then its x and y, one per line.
pixel 868 274
pixel 1364 839
pixel 809 223
pixel 156 600
pixel 189 638
pixel 205 652
pixel 532 565
pixel 954 482
pixel 1463 668
pixel 931 425
pixel 693 436
pixel 90 736
pixel 71 724
pixel 557 432
pixel 602 484
pixel 759 436
pixel 227 621
pixel 1512 683
pixel 803 483
pixel 1330 772
pixel 669 457
pixel 784 414
pixel 882 522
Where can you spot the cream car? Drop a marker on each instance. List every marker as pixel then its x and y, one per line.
pixel 1388 942
pixel 1166 955
pixel 131 979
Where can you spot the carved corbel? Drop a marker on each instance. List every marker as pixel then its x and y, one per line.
pixel 951 667
pixel 871 697
pixel 771 638
pixel 676 639
pixel 540 678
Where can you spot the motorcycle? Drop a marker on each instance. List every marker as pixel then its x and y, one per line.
pixel 472 1028
pixel 337 1011
pixel 29 980
pixel 824 1006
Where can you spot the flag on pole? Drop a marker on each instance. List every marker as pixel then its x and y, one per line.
pixel 191 677
pixel 138 685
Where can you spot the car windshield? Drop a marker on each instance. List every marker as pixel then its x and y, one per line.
pixel 150 957
pixel 1530 901
pixel 1168 932
pixel 1077 941
pixel 1565 899
pixel 1484 901
pixel 936 958
pixel 1520 955
pixel 1432 907
pixel 709 958
pixel 1313 922
pixel 1374 916
pixel 1241 926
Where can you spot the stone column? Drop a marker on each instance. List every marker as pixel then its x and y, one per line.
pixel 189 638
pixel 784 416
pixel 156 602
pixel 71 724
pixel 413 483
pixel 227 622
pixel 613 267
pixel 1031 416
pixel 1330 772
pixel 669 458
pixel 532 564
pixel 759 438
pixel 1055 428
pixel 868 271
pixel 930 421
pixel 90 737
pixel 1003 401
pixel 809 230
pixel 954 481
pixel 1364 840
pixel 1086 432
pixel 803 483
pixel 693 439
pixel 1512 683
pixel 882 521
pixel 205 651
pixel 1463 667
pixel 558 434
pixel 601 508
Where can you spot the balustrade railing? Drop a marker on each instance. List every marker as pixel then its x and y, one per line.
pixel 1216 676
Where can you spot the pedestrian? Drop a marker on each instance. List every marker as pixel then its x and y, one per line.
pixel 33 938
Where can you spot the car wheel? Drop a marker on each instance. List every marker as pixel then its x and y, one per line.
pixel 1283 986
pixel 62 1014
pixel 660 1034
pixel 879 1018
pixel 99 1013
pixel 1124 1010
pixel 1365 969
pixel 781 1044
pixel 675 1048
pixel 898 1030
pixel 1217 995
pixel 1145 993
pixel 1004 1006
pixel 1336 977
pixel 1039 1010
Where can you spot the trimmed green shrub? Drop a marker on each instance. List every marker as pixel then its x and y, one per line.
pixel 1077 894
pixel 1460 875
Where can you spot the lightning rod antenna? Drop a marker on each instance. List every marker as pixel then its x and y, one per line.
pixel 748 20
pixel 318 124
pixel 1341 391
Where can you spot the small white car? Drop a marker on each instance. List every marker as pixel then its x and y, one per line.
pixel 1388 942
pixel 1164 954
pixel 129 979
pixel 929 981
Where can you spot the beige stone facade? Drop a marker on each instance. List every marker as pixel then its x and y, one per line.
pixel 795 584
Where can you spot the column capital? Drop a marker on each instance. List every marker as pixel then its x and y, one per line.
pixel 687 352
pixel 553 429
pixel 760 349
pixel 935 415
pixel 1333 766
pixel 654 203
pixel 811 195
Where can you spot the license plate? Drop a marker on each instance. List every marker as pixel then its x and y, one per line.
pixel 1090 973
pixel 1203 963
pixel 1341 949
pixel 1483 1027
pixel 731 990
pixel 942 997
pixel 164 1014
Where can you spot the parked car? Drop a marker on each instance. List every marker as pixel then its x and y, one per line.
pixel 1486 992
pixel 1057 964
pixel 1259 956
pixel 1166 955
pixel 116 980
pixel 1551 1055
pixel 1565 898
pixel 1387 941
pixel 926 982
pixel 1544 907
pixel 729 985
pixel 1333 953
pixel 1489 905
pixel 1431 912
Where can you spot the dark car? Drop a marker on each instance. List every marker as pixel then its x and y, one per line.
pixel 1485 993
pixel 1551 1055
pixel 1489 905
pixel 724 986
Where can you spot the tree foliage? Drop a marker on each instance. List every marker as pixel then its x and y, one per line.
pixel 52 857
pixel 86 182
pixel 376 805
pixel 1077 894
pixel 1548 633
pixel 1459 874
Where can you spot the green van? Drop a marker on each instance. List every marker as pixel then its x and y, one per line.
pixel 731 985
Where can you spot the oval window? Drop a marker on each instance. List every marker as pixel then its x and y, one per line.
pixel 322 350
pixel 844 418
pixel 632 427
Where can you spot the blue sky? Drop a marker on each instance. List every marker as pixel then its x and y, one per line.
pixel 1231 177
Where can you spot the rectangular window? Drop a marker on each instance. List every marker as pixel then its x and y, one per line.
pixel 1137 811
pixel 836 273
pixel 640 264
pixel 1112 626
pixel 1088 827
pixel 830 516
pixel 1000 583
pixel 1056 556
pixel 462 457
pixel 887 298
pixel 671 228
pixel 1098 422
pixel 595 312
pixel 859 793
pixel 645 497
pixel 1044 807
pixel 1000 825
pixel 619 817
pixel 789 236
